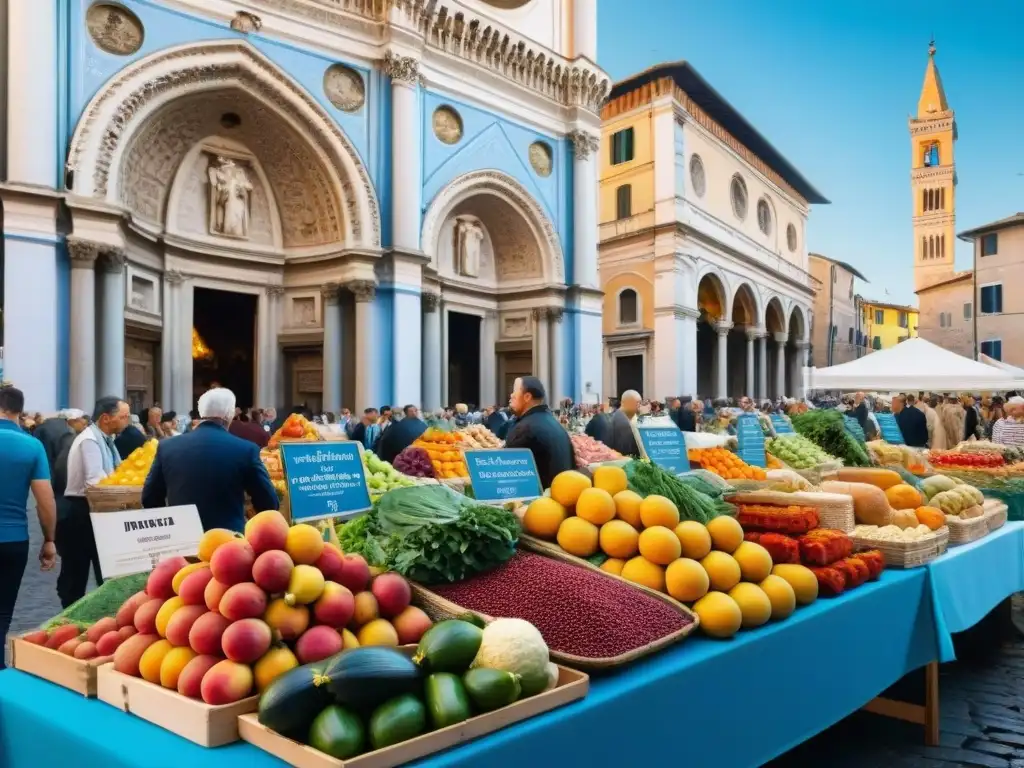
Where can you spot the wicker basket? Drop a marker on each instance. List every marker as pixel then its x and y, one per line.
pixel 834 510
pixel 906 554
pixel 965 531
pixel 113 498
pixel 996 514
pixel 456 483
pixel 439 608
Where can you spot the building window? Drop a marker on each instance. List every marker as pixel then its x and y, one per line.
pixel 738 193
pixel 624 201
pixel 697 178
pixel 622 146
pixel 967 310
pixel 931 155
pixel 993 348
pixel 879 317
pixel 992 299
pixel 849 335
pixel 904 320
pixel 990 245
pixel 876 342
pixel 942 319
pixel 791 237
pixel 628 310
pixel 835 331
pixel 764 216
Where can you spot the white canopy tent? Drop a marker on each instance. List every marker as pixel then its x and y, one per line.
pixel 1011 369
pixel 912 366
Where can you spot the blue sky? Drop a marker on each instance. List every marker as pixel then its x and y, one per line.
pixel 831 86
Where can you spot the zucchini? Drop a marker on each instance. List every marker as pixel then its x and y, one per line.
pixel 447 701
pixel 449 646
pixel 291 702
pixel 337 732
pixel 364 678
pixel 398 720
pixel 491 689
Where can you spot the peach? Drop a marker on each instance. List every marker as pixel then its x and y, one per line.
pixel 213 593
pixel 232 562
pixel 289 621
pixel 174 662
pixel 273 664
pixel 100 628
pixel 378 632
pixel 410 625
pixel 145 616
pixel 243 601
pixel 335 605
pixel 164 614
pixel 205 634
pixel 68 646
pixel 107 644
pixel 86 650
pixel 266 531
pixel 126 613
pixel 355 573
pixel 37 638
pixel 185 572
pixel 272 570
pixel 329 562
pixel 161 580
pixel 366 609
pixel 193 587
pixel 191 676
pixel 226 682
pixel 129 653
pixel 181 623
pixel 304 544
pixel 318 643
pixel 125 632
pixel 392 592
pixel 246 640
pixel 212 540
pixel 61 635
pixel 152 658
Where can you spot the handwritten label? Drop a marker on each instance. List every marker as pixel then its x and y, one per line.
pixel 781 424
pixel 325 480
pixel 665 446
pixel 891 432
pixel 750 437
pixel 135 540
pixel 505 474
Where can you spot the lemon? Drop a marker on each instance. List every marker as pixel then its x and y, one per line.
pixel 726 534
pixel 627 507
pixel 686 580
pixel 658 510
pixel 595 506
pixel 543 518
pixel 567 487
pixel 723 571
pixel 610 478
pixel 619 539
pixel 659 545
pixel 578 537
pixel 694 539
pixel 642 571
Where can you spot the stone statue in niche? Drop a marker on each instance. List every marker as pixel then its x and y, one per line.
pixel 230 198
pixel 469 237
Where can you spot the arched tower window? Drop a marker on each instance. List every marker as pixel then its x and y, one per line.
pixel 628 307
pixel 931 154
pixel 942 246
pixel 942 199
pixel 924 248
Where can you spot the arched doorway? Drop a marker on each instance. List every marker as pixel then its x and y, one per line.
pixel 775 325
pixel 742 343
pixel 494 294
pixel 712 355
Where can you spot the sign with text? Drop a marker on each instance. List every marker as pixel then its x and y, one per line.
pixel 854 428
pixel 503 474
pixel 750 437
pixel 325 480
pixel 135 540
pixel 781 424
pixel 665 446
pixel 891 432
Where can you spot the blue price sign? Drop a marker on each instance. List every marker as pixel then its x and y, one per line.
pixel 854 428
pixel 890 428
pixel 503 474
pixel 750 437
pixel 664 446
pixel 781 424
pixel 325 480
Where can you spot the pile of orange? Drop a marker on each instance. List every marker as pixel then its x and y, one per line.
pixel 444 450
pixel 725 464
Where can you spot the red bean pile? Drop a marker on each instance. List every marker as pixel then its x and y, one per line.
pixel 578 612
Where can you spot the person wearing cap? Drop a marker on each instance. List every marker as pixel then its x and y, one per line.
pixel 211 468
pixel 537 429
pixel 51 433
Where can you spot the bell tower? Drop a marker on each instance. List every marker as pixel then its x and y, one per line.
pixel 933 180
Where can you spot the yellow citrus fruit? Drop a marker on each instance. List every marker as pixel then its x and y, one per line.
pixel 726 534
pixel 723 571
pixel 619 539
pixel 755 562
pixel 657 510
pixel 595 506
pixel 627 507
pixel 754 604
pixel 801 579
pixel 611 479
pixel 613 565
pixel 781 595
pixel 694 539
pixel 659 544
pixel 578 537
pixel 543 517
pixel 719 615
pixel 686 580
pixel 642 571
pixel 567 487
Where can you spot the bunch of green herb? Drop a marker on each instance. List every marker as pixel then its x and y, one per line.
pixel 101 602
pixel 649 479
pixel 825 428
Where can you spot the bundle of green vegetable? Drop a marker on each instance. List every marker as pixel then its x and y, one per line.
pixel 432 535
pixel 825 428
pixel 101 602
pixel 649 479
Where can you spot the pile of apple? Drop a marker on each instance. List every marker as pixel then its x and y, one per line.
pixel 253 608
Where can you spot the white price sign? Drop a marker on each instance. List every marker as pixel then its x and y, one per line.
pixel 135 540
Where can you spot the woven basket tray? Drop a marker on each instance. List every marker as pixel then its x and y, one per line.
pixel 907 554
pixel 966 531
pixel 113 498
pixel 996 514
pixel 834 510
pixel 439 608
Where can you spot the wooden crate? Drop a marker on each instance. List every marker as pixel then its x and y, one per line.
pixel 572 685
pixel 194 720
pixel 74 674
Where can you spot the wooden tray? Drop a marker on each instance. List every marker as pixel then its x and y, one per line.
pixel 906 554
pixel 572 686
pixel 77 675
pixel 113 498
pixel 966 531
pixel 438 608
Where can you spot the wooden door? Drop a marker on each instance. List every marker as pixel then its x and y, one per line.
pixel 139 374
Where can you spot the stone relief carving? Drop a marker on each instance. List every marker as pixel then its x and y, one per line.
pixel 174 276
pixel 230 198
pixel 469 237
pixel 447 125
pixel 246 22
pixel 515 327
pixel 344 88
pixel 404 69
pixel 275 291
pixel 583 144
pixel 143 294
pixel 363 290
pixel 194 212
pixel 114 29
pixel 540 158
pixel 304 310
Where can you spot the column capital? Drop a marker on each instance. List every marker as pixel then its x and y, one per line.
pixel 723 327
pixel 430 301
pixel 114 260
pixel 583 143
pixel 540 313
pixel 274 291
pixel 174 276
pixel 329 292
pixel 555 314
pixel 781 337
pixel 83 253
pixel 404 70
pixel 755 332
pixel 363 290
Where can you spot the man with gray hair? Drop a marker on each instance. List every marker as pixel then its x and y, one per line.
pixel 1009 430
pixel 211 468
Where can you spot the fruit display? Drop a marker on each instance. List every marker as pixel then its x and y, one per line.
pixel 381 477
pixel 724 463
pixel 445 452
pixel 964 460
pixel 1012 454
pixel 414 461
pixel 78 641
pixel 133 470
pixel 479 436
pixel 797 451
pixel 825 428
pixel 964 501
pixel 295 427
pixel 590 451
pixel 884 454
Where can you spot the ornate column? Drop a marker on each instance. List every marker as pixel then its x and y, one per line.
pixel 184 399
pixel 752 335
pixel 722 359
pixel 541 349
pixel 170 335
pixel 780 364
pixel 431 303
pixel 82 390
pixel 488 359
pixel 329 293
pixel 112 296
pixel 365 291
pixel 267 362
pixel 762 366
pixel 406 150
pixel 275 300
pixel 801 367
pixel 557 375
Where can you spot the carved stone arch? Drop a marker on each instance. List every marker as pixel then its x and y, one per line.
pixel 746 291
pixel 511 192
pixel 797 319
pixel 718 282
pixel 120 109
pixel 776 318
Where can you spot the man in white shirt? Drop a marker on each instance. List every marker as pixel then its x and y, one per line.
pixel 92 457
pixel 1009 430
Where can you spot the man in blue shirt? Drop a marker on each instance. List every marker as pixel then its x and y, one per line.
pixel 23 468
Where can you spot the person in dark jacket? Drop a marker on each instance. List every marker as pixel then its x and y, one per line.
pixel 52 432
pixel 211 468
pixel 401 434
pixel 600 426
pixel 621 437
pixel 539 431
pixel 245 428
pixel 970 418
pixel 683 416
pixel 913 424
pixel 131 437
pixel 860 413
